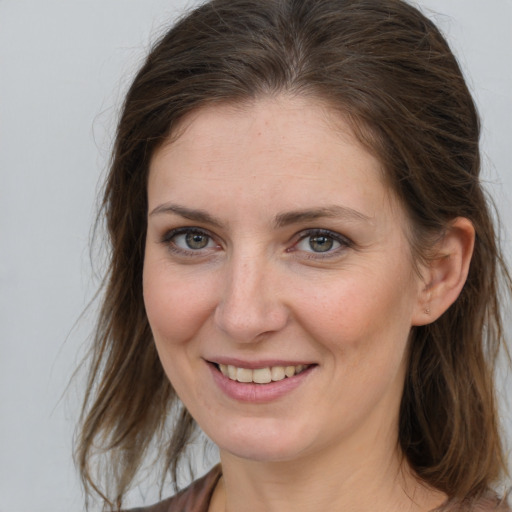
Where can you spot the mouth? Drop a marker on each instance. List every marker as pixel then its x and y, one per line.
pixel 263 375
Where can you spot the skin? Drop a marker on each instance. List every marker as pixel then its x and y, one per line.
pixel 260 290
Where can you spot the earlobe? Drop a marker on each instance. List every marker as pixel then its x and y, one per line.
pixel 444 275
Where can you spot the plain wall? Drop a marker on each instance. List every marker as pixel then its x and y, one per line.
pixel 64 67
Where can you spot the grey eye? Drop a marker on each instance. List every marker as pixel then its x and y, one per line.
pixel 196 240
pixel 320 243
pixel 192 240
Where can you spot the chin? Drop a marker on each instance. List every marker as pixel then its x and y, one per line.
pixel 262 441
pixel 261 452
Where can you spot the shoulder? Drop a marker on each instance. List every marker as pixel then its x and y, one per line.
pixel 194 498
pixel 492 503
pixel 487 503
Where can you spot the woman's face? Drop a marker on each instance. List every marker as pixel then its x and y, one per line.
pixel 278 280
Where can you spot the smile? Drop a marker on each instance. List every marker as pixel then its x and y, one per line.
pixel 260 375
pixel 265 382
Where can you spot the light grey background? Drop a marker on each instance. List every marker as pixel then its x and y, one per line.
pixel 64 65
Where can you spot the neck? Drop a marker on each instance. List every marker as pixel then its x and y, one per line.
pixel 356 479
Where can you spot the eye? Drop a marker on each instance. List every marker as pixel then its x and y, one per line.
pixel 321 241
pixel 193 240
pixel 189 240
pixel 318 243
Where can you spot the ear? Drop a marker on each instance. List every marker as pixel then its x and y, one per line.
pixel 444 275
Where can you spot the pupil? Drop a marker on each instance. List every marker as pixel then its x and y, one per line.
pixel 196 240
pixel 321 243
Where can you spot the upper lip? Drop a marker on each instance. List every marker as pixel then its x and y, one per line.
pixel 261 363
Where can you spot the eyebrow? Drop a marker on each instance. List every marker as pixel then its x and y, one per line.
pixel 327 212
pixel 201 216
pixel 280 220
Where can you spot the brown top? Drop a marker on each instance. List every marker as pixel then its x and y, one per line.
pixel 488 503
pixel 197 496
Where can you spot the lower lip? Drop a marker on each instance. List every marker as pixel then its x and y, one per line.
pixel 258 393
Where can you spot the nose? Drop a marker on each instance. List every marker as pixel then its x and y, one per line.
pixel 250 305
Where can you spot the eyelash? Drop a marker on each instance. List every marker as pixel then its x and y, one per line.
pixel 168 241
pixel 344 242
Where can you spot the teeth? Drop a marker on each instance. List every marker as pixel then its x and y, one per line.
pixel 243 375
pixel 277 373
pixel 289 371
pixel 260 375
pixel 231 372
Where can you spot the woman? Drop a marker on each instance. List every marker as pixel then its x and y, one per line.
pixel 303 264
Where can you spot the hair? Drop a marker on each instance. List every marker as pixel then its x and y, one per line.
pixel 388 71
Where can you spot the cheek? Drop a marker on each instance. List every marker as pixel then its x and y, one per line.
pixel 177 303
pixel 359 309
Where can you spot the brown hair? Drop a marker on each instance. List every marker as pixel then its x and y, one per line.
pixel 388 70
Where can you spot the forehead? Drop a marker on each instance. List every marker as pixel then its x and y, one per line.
pixel 280 123
pixel 292 150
